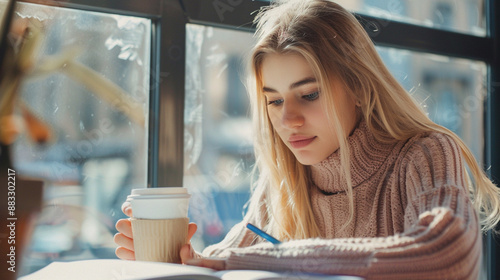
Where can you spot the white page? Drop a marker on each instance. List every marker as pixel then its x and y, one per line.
pixel 268 275
pixel 115 269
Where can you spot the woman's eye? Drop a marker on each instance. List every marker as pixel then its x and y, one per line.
pixel 312 96
pixel 275 102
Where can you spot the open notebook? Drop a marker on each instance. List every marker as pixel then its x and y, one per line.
pixel 114 269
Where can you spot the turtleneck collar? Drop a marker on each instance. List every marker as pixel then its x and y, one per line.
pixel 367 155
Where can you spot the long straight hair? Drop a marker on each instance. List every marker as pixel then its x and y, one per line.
pixel 338 49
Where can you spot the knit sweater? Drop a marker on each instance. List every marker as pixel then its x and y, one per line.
pixel 413 218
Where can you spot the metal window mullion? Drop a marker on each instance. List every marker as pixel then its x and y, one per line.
pixel 171 77
pixel 492 131
pixel 154 101
pixel 118 7
pixel 428 40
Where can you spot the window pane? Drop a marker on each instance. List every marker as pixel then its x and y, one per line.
pixel 465 16
pixel 218 135
pixel 98 149
pixel 451 90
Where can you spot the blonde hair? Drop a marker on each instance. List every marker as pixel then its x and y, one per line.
pixel 337 48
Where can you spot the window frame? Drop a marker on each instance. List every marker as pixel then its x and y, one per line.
pixel 167 75
pixel 492 124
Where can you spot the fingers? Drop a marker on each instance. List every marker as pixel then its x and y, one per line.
pixel 124 241
pixel 192 227
pixel 213 263
pixel 186 253
pixel 127 208
pixel 125 254
pixel 124 226
pixel 125 250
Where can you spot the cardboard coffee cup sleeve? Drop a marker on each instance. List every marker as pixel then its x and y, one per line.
pixel 159 240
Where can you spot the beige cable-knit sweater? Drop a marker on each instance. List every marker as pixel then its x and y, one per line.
pixel 413 217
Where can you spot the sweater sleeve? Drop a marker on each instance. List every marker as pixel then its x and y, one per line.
pixel 441 239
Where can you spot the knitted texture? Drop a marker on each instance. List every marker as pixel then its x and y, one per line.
pixel 413 218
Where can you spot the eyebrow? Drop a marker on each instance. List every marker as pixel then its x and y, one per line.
pixel 302 82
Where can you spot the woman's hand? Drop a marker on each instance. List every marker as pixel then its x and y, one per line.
pixel 213 263
pixel 191 257
pixel 125 240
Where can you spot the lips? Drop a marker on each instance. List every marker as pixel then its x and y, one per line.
pixel 298 142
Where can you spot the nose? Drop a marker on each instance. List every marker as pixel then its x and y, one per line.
pixel 292 116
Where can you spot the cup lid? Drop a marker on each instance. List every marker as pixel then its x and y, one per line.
pixel 159 191
pixel 158 196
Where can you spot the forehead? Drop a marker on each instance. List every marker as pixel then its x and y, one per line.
pixel 279 71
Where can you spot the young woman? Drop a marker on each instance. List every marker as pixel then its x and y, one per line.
pixel 353 176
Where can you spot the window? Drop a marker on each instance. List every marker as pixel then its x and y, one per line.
pixel 173 58
pixel 218 132
pixel 464 16
pixel 451 90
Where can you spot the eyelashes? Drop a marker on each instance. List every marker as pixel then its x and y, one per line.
pixel 275 102
pixel 308 97
pixel 312 96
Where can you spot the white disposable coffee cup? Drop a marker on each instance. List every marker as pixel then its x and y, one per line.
pixel 159 203
pixel 159 223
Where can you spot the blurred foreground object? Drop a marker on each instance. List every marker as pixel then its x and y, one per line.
pixel 20 54
pixel 20 198
pixel 21 203
pixel 20 59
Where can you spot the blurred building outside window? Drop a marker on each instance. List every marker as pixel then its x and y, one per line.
pixel 463 16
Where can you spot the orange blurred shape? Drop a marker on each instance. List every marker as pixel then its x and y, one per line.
pixel 12 126
pixel 38 130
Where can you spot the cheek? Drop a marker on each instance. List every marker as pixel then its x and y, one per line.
pixel 347 108
pixel 317 114
pixel 274 117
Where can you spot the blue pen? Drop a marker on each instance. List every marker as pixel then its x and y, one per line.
pixel 262 234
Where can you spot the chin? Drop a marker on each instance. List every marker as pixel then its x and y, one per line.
pixel 308 160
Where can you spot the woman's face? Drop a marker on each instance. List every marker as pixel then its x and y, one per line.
pixel 294 105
